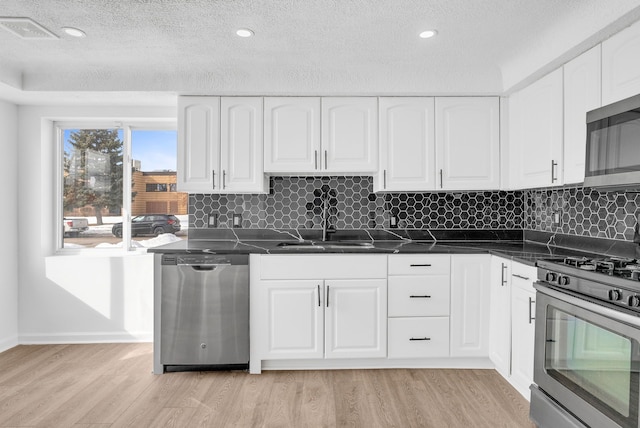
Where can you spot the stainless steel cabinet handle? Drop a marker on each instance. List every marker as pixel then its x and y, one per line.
pixel 213 177
pixel 318 295
pixel 520 276
pixel 503 280
pixel 327 296
pixel 326 165
pixel 419 297
pixel 441 178
pixel 420 265
pixel 315 156
pixel 553 168
pixel 420 338
pixel 224 179
pixel 384 178
pixel 531 302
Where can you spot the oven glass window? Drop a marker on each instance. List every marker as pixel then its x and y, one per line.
pixel 593 362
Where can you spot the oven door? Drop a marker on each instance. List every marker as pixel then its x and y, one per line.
pixel 587 358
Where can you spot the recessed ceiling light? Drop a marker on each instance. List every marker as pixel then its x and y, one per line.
pixel 428 34
pixel 245 32
pixel 74 32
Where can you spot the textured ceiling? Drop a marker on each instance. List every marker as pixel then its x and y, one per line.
pixel 300 46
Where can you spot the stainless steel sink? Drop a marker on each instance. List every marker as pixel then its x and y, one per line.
pixel 309 245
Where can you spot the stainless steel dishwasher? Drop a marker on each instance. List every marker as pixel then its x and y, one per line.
pixel 204 311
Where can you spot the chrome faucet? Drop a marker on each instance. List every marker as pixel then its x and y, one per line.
pixel 325 218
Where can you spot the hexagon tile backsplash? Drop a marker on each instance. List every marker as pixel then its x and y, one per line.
pixel 574 210
pixel 296 202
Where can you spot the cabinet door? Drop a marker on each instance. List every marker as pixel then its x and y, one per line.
pixel 241 145
pixel 468 143
pixel 470 305
pixel 292 134
pixel 581 94
pixel 536 133
pixel 350 135
pixel 198 144
pixel 407 144
pixel 356 318
pixel 621 65
pixel 500 315
pixel 522 339
pixel 291 319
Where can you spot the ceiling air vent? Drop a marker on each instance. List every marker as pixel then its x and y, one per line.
pixel 26 28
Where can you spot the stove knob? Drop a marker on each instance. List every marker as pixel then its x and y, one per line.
pixel 634 301
pixel 615 295
pixel 551 276
pixel 563 280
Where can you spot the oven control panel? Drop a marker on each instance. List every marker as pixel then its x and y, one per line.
pixel 611 293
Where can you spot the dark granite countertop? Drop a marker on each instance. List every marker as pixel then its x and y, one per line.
pixel 264 242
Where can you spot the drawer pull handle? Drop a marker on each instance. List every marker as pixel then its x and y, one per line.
pixel 420 265
pixel 420 338
pixel 520 276
pixel 419 297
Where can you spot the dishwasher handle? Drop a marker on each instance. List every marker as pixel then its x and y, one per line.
pixel 204 267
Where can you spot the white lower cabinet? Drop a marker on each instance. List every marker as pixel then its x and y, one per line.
pixel 523 300
pixel 293 319
pixel 470 298
pixel 419 293
pixel 512 322
pixel 369 310
pixel 500 315
pixel 318 306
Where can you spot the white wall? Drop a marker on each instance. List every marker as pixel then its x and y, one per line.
pixel 66 298
pixel 8 250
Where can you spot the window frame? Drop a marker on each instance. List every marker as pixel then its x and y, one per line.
pixel 127 127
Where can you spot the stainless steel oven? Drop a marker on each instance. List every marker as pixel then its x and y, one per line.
pixel 587 351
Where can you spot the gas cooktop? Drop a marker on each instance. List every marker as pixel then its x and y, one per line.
pixel 615 280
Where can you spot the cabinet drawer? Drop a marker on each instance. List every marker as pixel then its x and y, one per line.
pixel 418 337
pixel 419 264
pixel 415 296
pixel 523 276
pixel 323 266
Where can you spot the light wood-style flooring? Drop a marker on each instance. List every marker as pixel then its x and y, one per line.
pixel 111 385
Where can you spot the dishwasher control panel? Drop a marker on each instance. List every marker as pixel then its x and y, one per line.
pixel 205 259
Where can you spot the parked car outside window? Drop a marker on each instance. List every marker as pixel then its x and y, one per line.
pixel 150 224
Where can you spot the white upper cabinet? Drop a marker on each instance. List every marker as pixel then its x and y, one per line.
pixel 467 143
pixel 536 133
pixel 294 126
pixel 291 134
pixel 407 144
pixel 621 65
pixel 582 84
pixel 198 144
pixel 350 134
pixel 241 159
pixel 220 145
pixel 450 143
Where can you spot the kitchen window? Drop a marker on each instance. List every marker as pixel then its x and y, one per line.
pixel 156 187
pixel 104 173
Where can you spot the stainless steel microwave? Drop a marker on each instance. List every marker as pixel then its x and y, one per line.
pixel 613 146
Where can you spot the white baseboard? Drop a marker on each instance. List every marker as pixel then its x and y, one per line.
pixel 76 338
pixel 372 363
pixel 8 343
